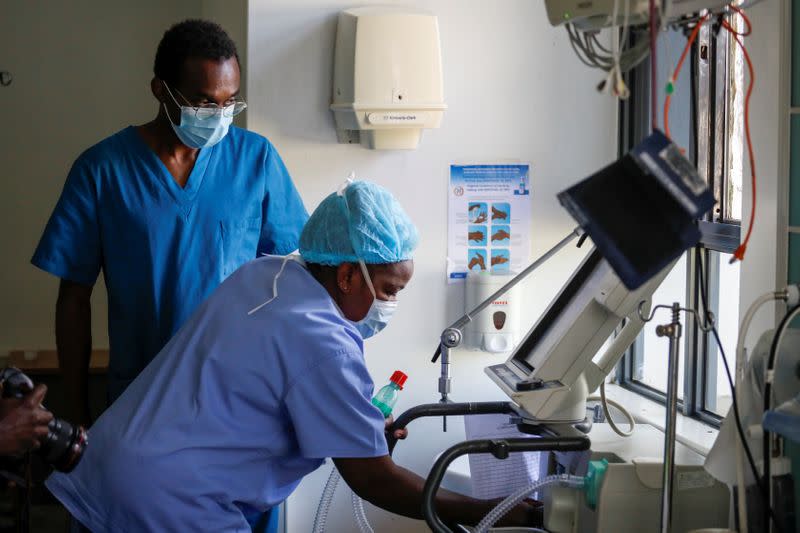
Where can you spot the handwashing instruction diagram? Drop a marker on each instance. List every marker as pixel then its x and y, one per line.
pixel 488 219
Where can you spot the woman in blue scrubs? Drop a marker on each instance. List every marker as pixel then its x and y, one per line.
pixel 265 381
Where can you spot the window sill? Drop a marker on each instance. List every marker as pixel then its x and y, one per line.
pixel 690 432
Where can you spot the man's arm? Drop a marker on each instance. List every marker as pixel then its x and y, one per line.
pixel 391 487
pixel 74 343
pixel 283 212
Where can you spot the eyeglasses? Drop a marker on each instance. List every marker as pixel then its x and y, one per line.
pixel 231 108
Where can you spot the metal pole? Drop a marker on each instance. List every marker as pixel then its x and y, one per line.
pixel 467 318
pixel 673 331
pixel 451 337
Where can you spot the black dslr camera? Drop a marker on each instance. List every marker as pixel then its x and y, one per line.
pixel 64 445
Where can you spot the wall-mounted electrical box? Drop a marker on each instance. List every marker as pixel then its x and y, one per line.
pixel 387 82
pixel 590 15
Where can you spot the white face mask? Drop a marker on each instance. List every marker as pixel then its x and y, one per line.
pixel 380 312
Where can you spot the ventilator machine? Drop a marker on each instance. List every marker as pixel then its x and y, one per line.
pixel 592 479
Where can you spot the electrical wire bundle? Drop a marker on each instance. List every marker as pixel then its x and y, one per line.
pixel 615 60
pixel 594 54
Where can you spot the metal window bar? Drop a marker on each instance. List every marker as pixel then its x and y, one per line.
pixel 692 354
pixel 709 389
pixel 722 232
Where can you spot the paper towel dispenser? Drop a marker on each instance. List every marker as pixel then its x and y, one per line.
pixel 387 82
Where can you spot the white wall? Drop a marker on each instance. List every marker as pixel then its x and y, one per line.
pixel 82 71
pixel 232 16
pixel 514 90
pixel 758 274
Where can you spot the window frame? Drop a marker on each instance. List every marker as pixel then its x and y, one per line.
pixel 710 73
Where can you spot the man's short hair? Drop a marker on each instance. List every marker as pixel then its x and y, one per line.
pixel 191 38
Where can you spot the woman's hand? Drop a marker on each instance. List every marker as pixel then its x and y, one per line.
pixel 399 434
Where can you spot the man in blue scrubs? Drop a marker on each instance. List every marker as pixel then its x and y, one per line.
pixel 167 210
pixel 265 381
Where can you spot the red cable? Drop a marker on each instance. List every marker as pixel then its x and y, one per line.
pixel 739 253
pixel 668 99
pixel 746 21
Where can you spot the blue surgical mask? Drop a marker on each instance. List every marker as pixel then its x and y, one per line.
pixel 380 312
pixel 197 132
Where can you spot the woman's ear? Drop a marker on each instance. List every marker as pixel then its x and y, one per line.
pixel 344 277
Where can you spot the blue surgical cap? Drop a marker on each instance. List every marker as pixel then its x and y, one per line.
pixel 377 227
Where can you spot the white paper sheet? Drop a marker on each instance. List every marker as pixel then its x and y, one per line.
pixel 496 478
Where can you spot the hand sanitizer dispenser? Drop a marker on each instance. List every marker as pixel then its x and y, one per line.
pixel 496 328
pixel 387 82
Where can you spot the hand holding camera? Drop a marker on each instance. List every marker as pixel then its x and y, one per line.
pixel 26 425
pixel 23 422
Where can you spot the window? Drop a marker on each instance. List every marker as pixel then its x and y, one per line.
pixel 703 389
pixel 724 302
pixel 706 119
pixel 650 351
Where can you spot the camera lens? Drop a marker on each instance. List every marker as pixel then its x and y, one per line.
pixel 64 445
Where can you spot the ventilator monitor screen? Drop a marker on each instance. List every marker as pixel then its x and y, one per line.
pixel 641 211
